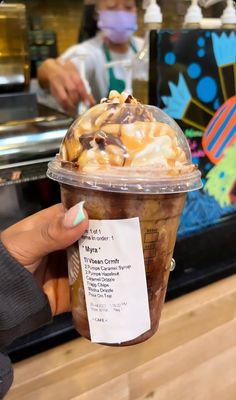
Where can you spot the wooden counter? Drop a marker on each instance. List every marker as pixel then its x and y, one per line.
pixel 192 357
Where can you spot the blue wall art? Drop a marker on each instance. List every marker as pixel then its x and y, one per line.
pixel 196 85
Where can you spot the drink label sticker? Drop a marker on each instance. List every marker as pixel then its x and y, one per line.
pixel 114 278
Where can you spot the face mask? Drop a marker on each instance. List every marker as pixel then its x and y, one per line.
pixel 118 26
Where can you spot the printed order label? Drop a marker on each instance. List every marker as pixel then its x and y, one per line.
pixel 114 278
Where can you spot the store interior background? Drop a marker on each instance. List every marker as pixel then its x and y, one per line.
pixel 64 16
pixel 66 19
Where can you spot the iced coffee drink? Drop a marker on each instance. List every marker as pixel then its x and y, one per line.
pixel 131 164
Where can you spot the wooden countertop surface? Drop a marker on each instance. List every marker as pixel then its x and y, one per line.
pixel 192 357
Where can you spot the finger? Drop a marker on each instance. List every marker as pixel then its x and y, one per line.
pixel 52 277
pixel 58 292
pixel 49 281
pixel 60 92
pixel 63 297
pixel 80 87
pixel 74 84
pixel 72 88
pixel 84 94
pixel 78 81
pixel 91 100
pixel 57 89
pixel 46 235
pixel 40 217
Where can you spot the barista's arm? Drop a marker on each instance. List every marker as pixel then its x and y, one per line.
pixel 64 83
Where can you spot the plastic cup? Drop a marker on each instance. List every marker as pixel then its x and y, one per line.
pixel 119 270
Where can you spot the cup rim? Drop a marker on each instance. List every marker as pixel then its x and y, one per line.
pixel 128 180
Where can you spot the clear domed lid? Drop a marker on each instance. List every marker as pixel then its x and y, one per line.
pixel 122 145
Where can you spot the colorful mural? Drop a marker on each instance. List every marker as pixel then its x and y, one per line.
pixel 197 86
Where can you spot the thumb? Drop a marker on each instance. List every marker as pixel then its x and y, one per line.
pixel 45 232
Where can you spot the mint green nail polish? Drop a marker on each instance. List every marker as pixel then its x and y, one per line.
pixel 80 214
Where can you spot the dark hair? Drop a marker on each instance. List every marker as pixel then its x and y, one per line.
pixel 88 27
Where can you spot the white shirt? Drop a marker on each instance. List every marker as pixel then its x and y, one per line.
pixel 95 71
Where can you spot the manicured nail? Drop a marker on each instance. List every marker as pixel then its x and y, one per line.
pixel 74 216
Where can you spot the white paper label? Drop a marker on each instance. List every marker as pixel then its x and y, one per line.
pixel 114 280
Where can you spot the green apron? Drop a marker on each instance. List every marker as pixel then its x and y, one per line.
pixel 114 83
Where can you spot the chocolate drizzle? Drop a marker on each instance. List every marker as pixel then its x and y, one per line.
pixel 116 133
pixel 101 140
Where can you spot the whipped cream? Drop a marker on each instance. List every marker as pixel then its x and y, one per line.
pixel 121 132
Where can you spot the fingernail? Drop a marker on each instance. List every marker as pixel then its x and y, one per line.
pixel 74 216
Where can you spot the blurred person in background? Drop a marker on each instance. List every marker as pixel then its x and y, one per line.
pixel 117 21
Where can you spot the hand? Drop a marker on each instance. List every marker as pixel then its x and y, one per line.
pixel 36 243
pixel 65 84
pixel 68 88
